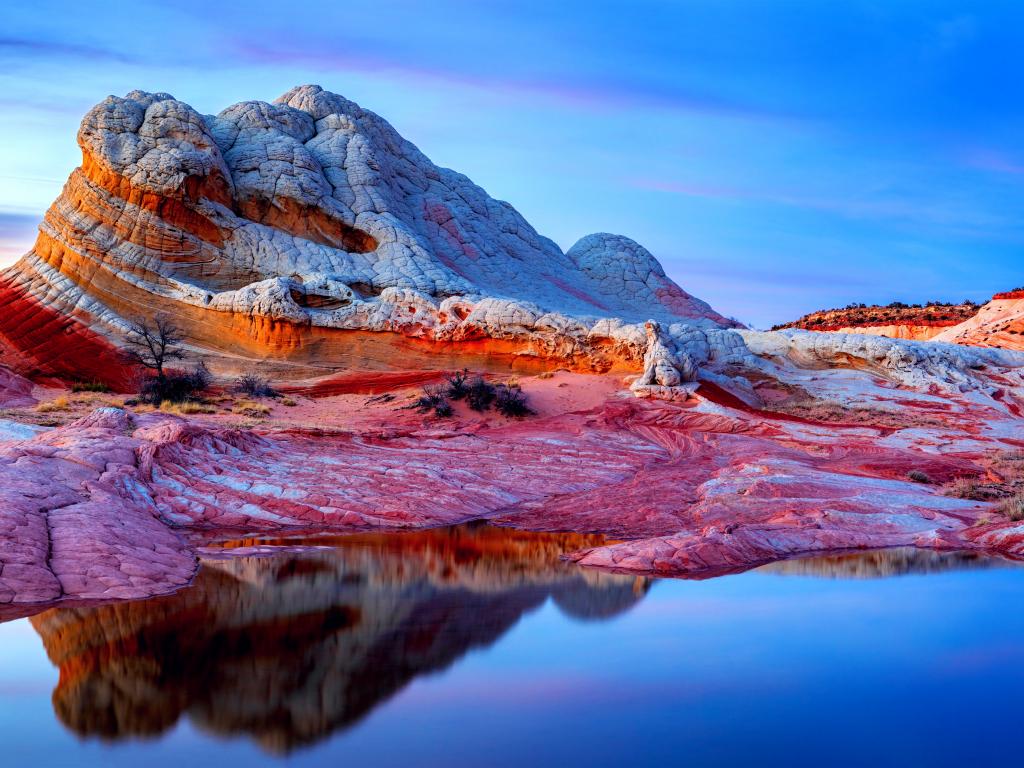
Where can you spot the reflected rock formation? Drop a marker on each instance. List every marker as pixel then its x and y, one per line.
pixel 289 648
pixel 883 563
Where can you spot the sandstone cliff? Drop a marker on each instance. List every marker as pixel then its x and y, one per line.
pixel 897 321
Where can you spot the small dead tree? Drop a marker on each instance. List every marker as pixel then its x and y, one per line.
pixel 152 344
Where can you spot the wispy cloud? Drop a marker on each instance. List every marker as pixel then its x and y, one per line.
pixel 959 219
pixel 993 161
pixel 582 89
pixel 38 47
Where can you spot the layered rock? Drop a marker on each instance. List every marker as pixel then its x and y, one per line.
pixel 310 234
pixel 713 483
pixel 897 321
pixel 1000 323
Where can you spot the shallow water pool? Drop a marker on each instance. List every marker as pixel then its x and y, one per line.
pixel 479 646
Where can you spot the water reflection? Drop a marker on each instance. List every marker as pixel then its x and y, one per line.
pixel 291 648
pixel 882 563
pixel 288 642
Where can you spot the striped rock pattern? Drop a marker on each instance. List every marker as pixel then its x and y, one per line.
pixel 308 233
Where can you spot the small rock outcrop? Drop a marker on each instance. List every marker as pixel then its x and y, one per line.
pixel 1000 323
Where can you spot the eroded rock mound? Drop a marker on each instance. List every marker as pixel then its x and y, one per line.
pixel 1000 323
pixel 309 232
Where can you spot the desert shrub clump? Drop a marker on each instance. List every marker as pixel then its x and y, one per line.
pixel 89 386
pixel 60 403
pixel 480 393
pixel 175 386
pixel 917 476
pixel 510 400
pixel 254 385
pixel 968 488
pixel 1013 507
pixel 434 399
pixel 457 384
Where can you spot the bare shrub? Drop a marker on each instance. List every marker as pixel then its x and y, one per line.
pixel 175 386
pixel 434 398
pixel 254 385
pixel 457 384
pixel 968 488
pixel 1013 507
pixel 251 408
pixel 152 344
pixel 917 476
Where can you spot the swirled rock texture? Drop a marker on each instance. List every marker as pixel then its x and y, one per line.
pixel 308 233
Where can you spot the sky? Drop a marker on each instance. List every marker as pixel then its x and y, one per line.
pixel 776 156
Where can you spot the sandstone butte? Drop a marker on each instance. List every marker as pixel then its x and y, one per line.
pixel 306 237
pixel 999 323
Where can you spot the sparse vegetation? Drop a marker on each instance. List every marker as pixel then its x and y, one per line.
pixel 251 408
pixel 187 408
pixel 510 401
pixel 60 403
pixel 175 386
pixel 457 384
pixel 896 312
pixel 289 402
pixel 434 398
pixel 152 344
pixel 480 393
pixel 1013 507
pixel 968 488
pixel 89 386
pixel 254 385
pixel 917 476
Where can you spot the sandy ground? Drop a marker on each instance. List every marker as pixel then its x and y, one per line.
pixel 379 404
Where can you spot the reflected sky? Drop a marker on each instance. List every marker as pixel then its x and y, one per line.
pixel 468 648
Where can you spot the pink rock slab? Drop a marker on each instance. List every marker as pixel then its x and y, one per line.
pixel 96 510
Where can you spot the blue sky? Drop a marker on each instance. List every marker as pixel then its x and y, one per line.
pixel 776 156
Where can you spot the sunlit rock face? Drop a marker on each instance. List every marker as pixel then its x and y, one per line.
pixel 1000 323
pixel 289 649
pixel 898 321
pixel 309 231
